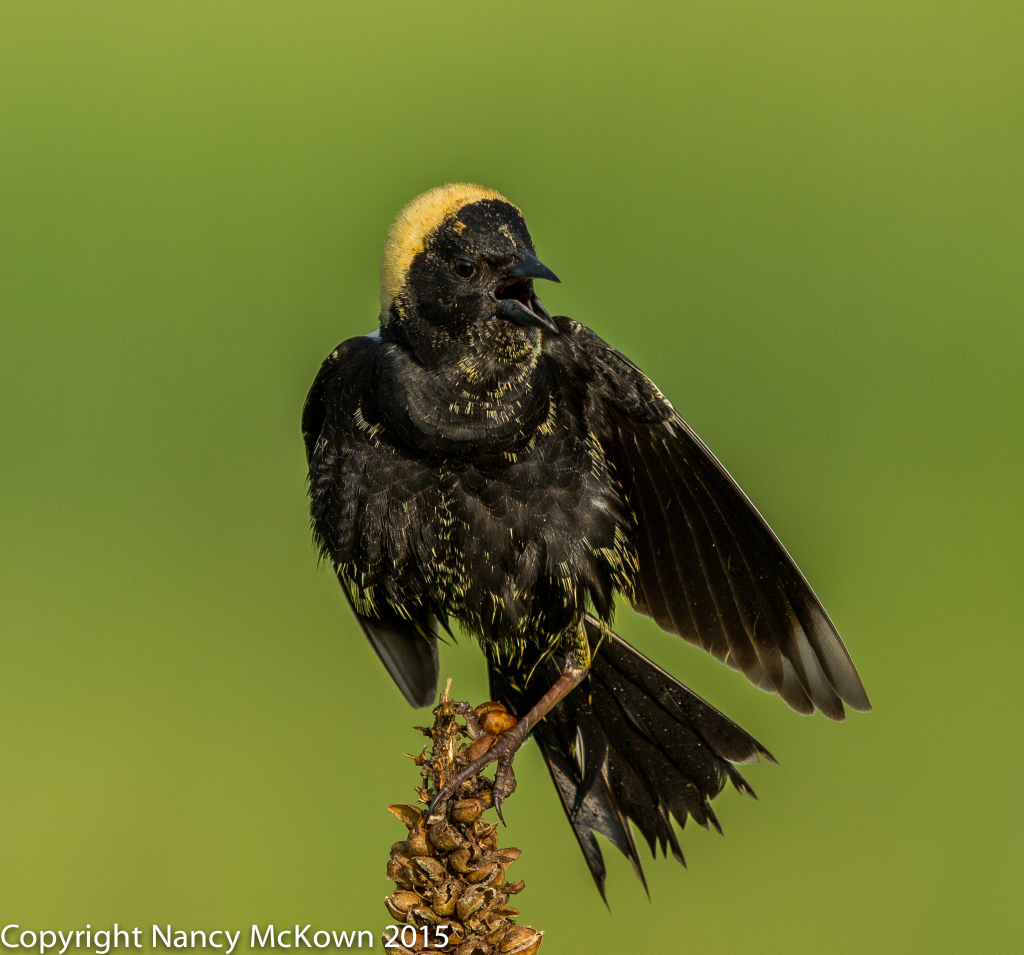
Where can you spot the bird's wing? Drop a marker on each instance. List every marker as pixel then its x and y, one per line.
pixel 408 650
pixel 710 568
pixel 406 647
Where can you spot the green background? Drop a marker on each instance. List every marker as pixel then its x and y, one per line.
pixel 803 220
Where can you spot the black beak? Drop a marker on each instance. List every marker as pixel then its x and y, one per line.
pixel 515 296
pixel 530 267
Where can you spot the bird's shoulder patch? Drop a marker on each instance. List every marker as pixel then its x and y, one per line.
pixel 348 367
pixel 612 380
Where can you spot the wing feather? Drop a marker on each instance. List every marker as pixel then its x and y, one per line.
pixel 407 647
pixel 710 568
pixel 408 651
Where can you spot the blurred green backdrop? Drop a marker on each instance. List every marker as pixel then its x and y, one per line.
pixel 803 220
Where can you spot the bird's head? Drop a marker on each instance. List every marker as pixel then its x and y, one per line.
pixel 459 266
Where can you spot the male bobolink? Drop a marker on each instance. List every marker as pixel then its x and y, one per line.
pixel 477 459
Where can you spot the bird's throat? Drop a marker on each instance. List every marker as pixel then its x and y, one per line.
pixel 470 402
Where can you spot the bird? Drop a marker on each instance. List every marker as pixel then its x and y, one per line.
pixel 475 459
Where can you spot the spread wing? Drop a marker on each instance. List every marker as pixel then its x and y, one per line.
pixel 407 648
pixel 710 568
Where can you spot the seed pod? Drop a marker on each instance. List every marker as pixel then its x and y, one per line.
pixel 444 897
pixel 410 815
pixel 411 919
pixel 498 722
pixel 483 873
pixel 497 926
pixel 429 916
pixel 394 867
pixel 433 869
pixel 404 900
pixel 484 831
pixel 459 862
pixel 477 925
pixel 467 811
pixel 514 888
pixel 419 843
pixel 521 940
pixel 472 900
pixel 503 912
pixel 496 878
pixel 477 749
pixel 396 913
pixel 472 947
pixel 491 706
pixel 444 836
pixel 505 857
pixel 412 875
pixel 400 858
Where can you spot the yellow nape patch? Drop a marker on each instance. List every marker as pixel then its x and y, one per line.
pixel 415 224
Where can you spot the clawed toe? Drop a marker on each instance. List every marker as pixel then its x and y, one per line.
pixel 502 751
pixel 466 711
pixel 504 783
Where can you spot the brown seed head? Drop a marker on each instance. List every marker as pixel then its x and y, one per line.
pixel 449 871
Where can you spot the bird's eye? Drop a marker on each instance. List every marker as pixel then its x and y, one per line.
pixel 465 267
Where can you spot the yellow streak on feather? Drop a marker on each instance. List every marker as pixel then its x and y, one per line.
pixel 411 231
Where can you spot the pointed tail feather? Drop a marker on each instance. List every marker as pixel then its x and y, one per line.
pixel 630 743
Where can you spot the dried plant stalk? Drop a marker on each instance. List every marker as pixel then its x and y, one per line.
pixel 450 874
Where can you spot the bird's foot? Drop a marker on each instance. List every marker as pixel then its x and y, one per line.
pixel 497 737
pixel 466 711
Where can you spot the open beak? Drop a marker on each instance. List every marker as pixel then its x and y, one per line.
pixel 515 296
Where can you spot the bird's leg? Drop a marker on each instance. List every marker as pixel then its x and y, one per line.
pixel 506 745
pixel 577 663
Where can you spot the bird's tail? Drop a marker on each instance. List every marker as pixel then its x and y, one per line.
pixel 630 743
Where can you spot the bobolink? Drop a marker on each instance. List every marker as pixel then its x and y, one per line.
pixel 477 459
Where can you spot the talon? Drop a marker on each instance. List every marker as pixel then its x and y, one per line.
pixel 507 782
pixel 504 786
pixel 502 751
